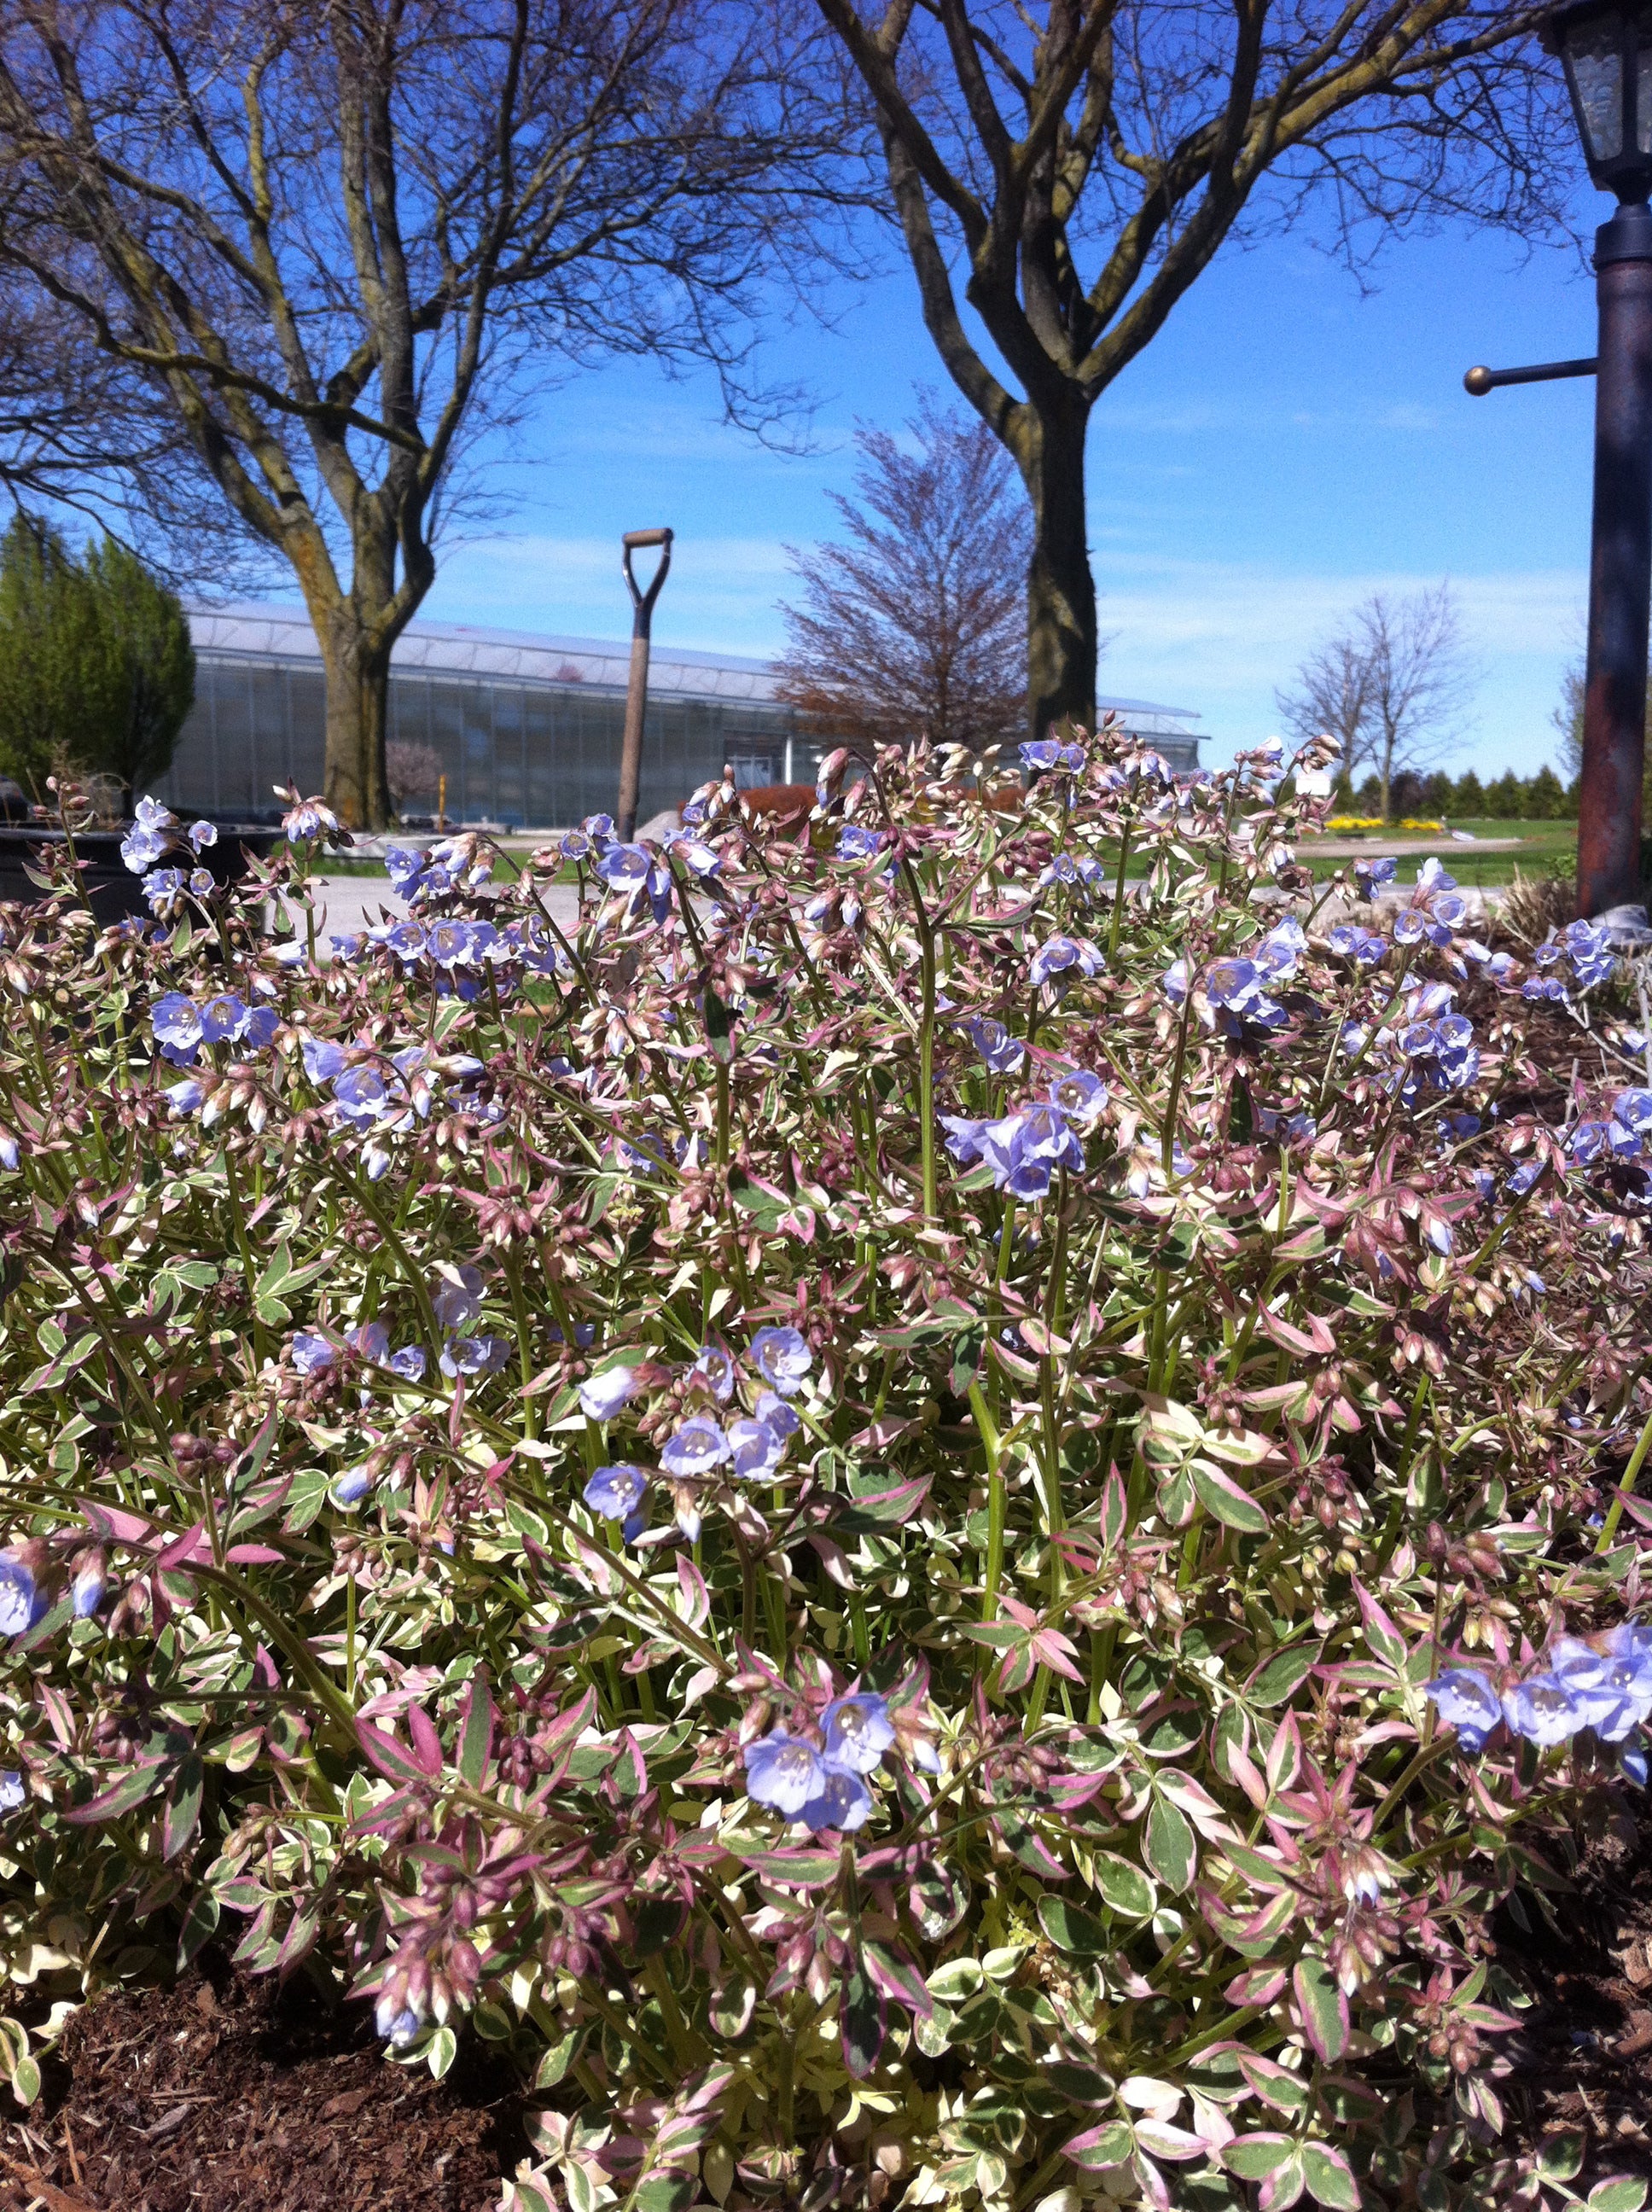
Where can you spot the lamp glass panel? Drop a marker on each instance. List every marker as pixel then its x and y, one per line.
pixel 1643 88
pixel 1594 58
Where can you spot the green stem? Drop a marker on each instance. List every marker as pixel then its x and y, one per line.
pixel 1117 894
pixel 1625 1488
pixel 995 1502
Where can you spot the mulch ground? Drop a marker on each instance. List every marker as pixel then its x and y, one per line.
pixel 1583 2059
pixel 226 2093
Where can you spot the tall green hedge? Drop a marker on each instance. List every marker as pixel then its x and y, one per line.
pixel 97 672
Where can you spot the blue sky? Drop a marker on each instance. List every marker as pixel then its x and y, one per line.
pixel 1286 446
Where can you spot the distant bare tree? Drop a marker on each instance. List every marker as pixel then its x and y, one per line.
pixel 340 239
pixel 414 771
pixel 917 625
pixel 1392 685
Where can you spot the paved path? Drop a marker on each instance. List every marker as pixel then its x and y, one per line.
pixel 348 904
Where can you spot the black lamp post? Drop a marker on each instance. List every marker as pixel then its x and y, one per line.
pixel 1606 47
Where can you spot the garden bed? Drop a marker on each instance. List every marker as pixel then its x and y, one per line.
pixel 226 2092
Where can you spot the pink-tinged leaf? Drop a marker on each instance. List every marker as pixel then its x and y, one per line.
pixel 1116 1511
pixel 402 1806
pixel 110 1521
pixel 60 1715
pixel 899 1980
pixel 692 1584
pixel 254 1555
pixel 1224 1499
pixel 1330 2178
pixel 1284 1754
pixel 299 1940
pixel 1100 2149
pixel 1282 2188
pixel 833 1558
pixel 1197 1803
pixel 184 1550
pixel 475 1731
pixel 395 1763
pixel 183 1809
pixel 1057 1652
pixel 797 1867
pixel 882 1508
pixel 1253 2157
pixel 1017 1671
pixel 136 1784
pixel 1380 1634
pixel 1161 2140
pixel 863 2021
pixel 1315 1338
pixel 427 1744
pixel 1257 1985
pixel 1323 2007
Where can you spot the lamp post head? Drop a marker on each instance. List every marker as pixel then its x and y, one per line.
pixel 1606 48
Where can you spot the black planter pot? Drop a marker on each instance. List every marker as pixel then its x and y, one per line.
pixel 114 891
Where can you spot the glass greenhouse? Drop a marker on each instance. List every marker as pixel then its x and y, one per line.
pixel 526 728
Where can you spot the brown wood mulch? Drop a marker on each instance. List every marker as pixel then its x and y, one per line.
pixel 227 2092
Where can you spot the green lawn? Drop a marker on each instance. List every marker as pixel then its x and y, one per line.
pixel 1544 848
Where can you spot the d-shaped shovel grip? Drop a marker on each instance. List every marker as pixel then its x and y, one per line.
pixel 636 541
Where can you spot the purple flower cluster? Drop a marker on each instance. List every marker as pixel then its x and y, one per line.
pixel 824 1785
pixel 1601 1682
pixel 1059 959
pixel 182 1026
pixel 1045 754
pixel 1586 944
pixel 1024 1149
pixel 750 1447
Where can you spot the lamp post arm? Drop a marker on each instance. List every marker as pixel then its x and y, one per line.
pixel 1479 381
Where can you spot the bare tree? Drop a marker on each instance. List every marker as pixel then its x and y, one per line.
pixel 915 626
pixel 1024 140
pixel 342 239
pixel 1391 686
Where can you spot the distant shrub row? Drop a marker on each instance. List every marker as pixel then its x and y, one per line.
pixel 1509 798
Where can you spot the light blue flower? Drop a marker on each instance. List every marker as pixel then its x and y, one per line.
pixel 323 1060
pixel 774 1413
pixel 141 847
pixel 223 1019
pixel 203 834
pixel 311 1354
pixel 17 1595
pixel 362 1095
pixel 13 1790
pixel 783 1359
pixel 1062 958
pixel 474 1355
pixel 1543 1710
pixel 176 1022
pixel 858 1731
pixel 602 1396
pixel 697 1447
pixel 405 866
pixel 1467 1702
pixel 757 1450
pixel 1079 1095
pixel 1002 1053
pixel 408 1363
pixel 843 1802
pixel 1369 873
pixel 615 1492
pixel 163 888
pixel 185 1097
pixel 715 1369
pixel 782 1770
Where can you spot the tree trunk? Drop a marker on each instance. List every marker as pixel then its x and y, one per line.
pixel 356 786
pixel 1060 590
